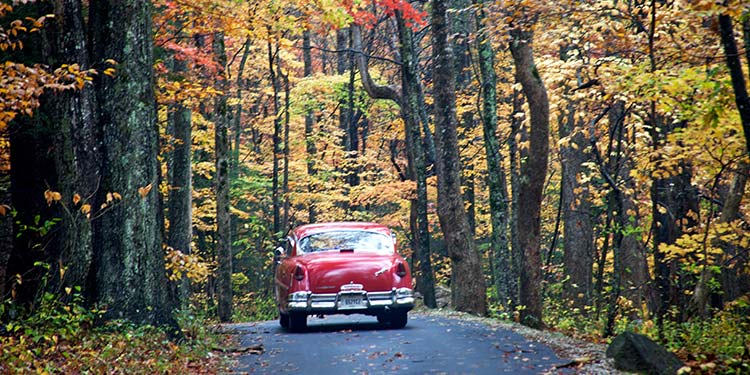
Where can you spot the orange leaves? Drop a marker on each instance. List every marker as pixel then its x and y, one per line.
pixel 78 203
pixel 143 191
pixel 51 196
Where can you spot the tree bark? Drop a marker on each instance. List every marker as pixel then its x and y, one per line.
pixel 467 281
pixel 221 181
pixel 180 200
pixel 129 259
pixel 496 182
pixel 277 130
pixel 734 282
pixel 634 274
pixel 310 146
pixel 533 172
pixel 732 56
pixel 578 232
pixel 77 157
pixel 410 107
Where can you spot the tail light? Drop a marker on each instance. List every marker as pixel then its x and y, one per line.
pixel 400 269
pixel 299 273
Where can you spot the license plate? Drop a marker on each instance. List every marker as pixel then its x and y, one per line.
pixel 351 301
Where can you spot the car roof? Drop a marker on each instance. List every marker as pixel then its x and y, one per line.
pixel 308 229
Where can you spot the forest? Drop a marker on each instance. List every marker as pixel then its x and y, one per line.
pixel 573 165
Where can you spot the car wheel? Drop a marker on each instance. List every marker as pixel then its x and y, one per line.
pixel 383 318
pixel 399 319
pixel 297 322
pixel 283 320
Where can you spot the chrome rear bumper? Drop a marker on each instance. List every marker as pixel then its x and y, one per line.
pixel 331 303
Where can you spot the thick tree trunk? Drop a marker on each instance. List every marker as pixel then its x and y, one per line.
pixel 462 28
pixel 533 172
pixel 578 232
pixel 129 259
pixel 221 181
pixel 496 182
pixel 77 157
pixel 467 281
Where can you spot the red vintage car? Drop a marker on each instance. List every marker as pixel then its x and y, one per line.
pixel 341 268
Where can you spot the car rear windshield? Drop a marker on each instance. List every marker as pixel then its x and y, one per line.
pixel 347 240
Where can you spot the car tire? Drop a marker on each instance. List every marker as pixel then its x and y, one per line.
pixel 283 320
pixel 398 319
pixel 297 322
pixel 383 318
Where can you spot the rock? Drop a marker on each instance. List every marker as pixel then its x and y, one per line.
pixel 442 296
pixel 637 353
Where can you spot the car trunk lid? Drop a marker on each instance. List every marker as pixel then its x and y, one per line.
pixel 330 271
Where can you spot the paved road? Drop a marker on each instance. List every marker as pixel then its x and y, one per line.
pixel 357 344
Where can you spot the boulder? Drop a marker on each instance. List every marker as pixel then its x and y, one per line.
pixel 442 296
pixel 637 353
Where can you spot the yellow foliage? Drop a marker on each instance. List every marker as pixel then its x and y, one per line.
pixel 191 266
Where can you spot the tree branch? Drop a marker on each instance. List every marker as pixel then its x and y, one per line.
pixel 373 89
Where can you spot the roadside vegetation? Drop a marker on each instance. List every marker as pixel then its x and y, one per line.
pixel 68 338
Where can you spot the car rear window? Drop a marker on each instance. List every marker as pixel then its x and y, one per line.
pixel 347 240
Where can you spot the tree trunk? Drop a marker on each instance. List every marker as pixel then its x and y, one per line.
pixel 6 219
pixel 77 157
pixel 519 134
pixel 351 126
pixel 129 259
pixel 221 181
pixel 634 274
pixel 180 200
pixel 285 177
pixel 734 282
pixel 310 146
pixel 533 172
pixel 410 107
pixel 496 182
pixel 277 130
pixel 237 119
pixel 461 28
pixel 735 72
pixel 578 232
pixel 467 281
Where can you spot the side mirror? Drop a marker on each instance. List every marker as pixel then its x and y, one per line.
pixel 278 254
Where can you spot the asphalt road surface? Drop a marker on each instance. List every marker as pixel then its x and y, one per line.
pixel 358 344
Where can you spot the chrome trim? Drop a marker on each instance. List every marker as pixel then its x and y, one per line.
pixel 329 302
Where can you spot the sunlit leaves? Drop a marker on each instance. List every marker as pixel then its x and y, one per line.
pixel 190 265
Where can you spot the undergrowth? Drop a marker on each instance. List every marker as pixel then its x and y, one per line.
pixel 63 338
pixel 719 344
